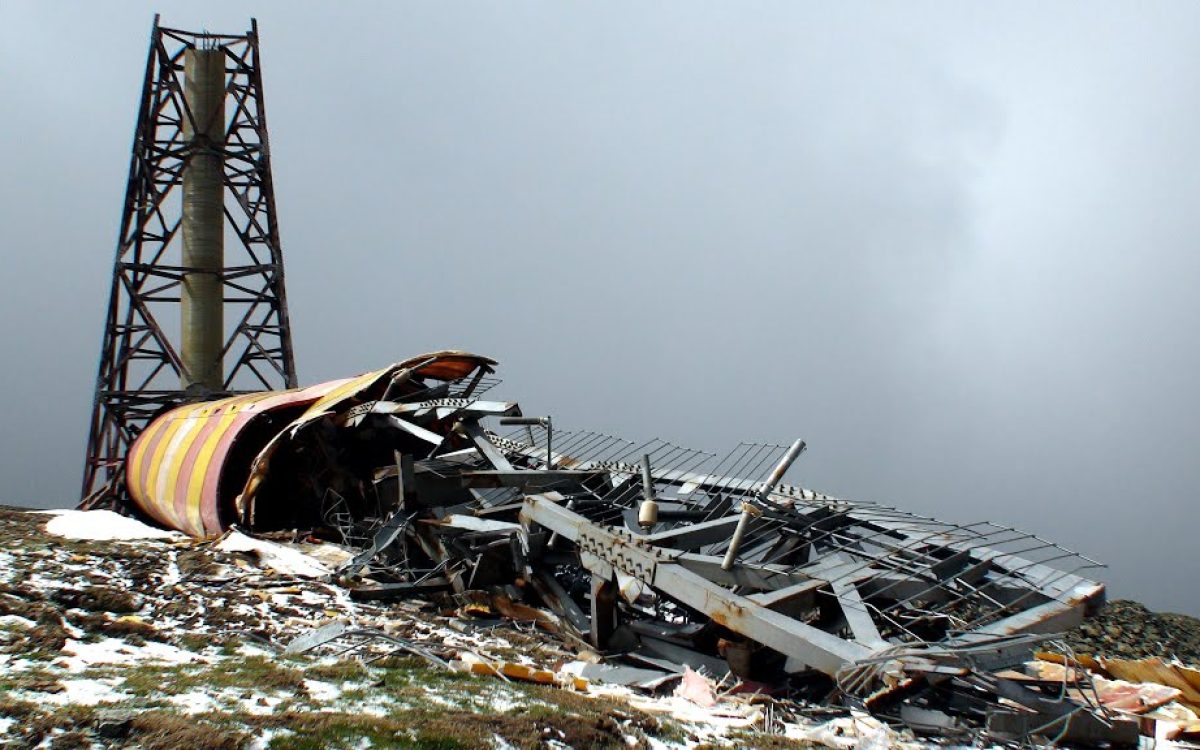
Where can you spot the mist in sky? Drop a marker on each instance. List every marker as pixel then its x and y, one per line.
pixel 952 246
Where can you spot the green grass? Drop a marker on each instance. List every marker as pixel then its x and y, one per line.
pixel 463 716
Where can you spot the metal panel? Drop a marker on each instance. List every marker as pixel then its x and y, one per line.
pixel 174 468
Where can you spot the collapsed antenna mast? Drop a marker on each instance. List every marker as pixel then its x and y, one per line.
pixel 197 309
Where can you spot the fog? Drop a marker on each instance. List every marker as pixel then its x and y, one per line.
pixel 952 246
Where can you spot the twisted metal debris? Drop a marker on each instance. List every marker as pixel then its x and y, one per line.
pixel 662 554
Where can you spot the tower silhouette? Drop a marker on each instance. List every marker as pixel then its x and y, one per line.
pixel 197 309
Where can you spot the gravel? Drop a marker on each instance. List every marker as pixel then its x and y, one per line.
pixel 1127 630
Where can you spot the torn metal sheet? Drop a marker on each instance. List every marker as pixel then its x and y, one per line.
pixel 190 467
pixel 176 468
pixel 621 675
pixel 319 637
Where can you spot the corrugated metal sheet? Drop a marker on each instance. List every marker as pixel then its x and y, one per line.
pixel 174 469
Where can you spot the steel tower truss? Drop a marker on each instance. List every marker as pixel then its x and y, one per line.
pixel 140 364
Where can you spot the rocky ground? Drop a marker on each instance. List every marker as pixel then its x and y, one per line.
pixel 1127 630
pixel 174 643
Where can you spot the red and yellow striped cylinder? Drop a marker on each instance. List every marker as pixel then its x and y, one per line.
pixel 187 468
pixel 175 469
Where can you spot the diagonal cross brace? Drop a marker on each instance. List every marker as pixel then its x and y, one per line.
pixel 608 551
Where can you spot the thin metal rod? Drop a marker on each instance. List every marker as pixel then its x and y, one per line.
pixel 748 510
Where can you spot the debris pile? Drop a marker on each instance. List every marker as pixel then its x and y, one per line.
pixel 127 640
pixel 664 568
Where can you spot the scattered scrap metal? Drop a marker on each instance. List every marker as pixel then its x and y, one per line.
pixel 659 557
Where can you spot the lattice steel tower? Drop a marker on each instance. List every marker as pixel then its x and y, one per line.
pixel 197 309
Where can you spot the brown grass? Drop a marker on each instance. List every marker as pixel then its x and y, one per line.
pixel 134 630
pixel 48 636
pixel 452 729
pixel 97 599
pixel 157 730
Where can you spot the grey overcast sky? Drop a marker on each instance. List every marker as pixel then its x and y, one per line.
pixel 951 245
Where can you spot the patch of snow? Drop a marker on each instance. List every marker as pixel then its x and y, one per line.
pixel 331 555
pixel 12 665
pixel 263 740
pixel 656 744
pixel 378 704
pixel 38 581
pixel 6 565
pixel 277 557
pixel 194 702
pixel 5 725
pixel 322 691
pixel 704 723
pixel 102 525
pixel 502 704
pixel 859 731
pixel 441 700
pixel 313 598
pixel 85 692
pixel 499 743
pixel 257 704
pixel 249 649
pixel 173 575
pixel 22 622
pixel 79 656
pixel 71 630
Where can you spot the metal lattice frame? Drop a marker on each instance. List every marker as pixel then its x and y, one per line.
pixel 140 366
pixel 833 585
pixel 885 576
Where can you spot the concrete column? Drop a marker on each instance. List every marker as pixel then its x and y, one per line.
pixel 202 303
